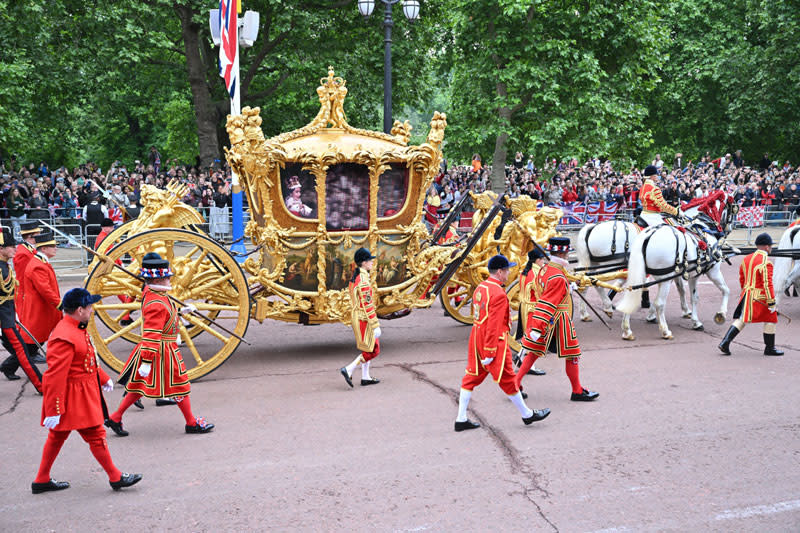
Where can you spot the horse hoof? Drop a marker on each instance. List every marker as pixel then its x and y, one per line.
pixel 630 337
pixel 719 318
pixel 586 319
pixel 608 313
pixel 686 315
pixel 698 327
pixel 651 320
pixel 667 336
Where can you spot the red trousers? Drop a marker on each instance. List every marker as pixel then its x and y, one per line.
pixel 12 341
pixel 94 436
pixel 367 356
pixel 507 379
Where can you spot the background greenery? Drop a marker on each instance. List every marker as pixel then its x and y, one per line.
pixel 625 79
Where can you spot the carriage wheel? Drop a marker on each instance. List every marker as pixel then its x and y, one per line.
pixel 513 299
pixel 456 298
pixel 206 275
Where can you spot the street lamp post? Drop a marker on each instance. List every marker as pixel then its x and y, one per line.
pixel 411 11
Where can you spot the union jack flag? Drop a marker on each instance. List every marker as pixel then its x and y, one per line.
pixel 578 213
pixel 115 214
pixel 751 217
pixel 229 47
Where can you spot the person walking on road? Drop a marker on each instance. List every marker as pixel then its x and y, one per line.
pixel 550 325
pixel 757 301
pixel 155 368
pixel 72 397
pixel 528 295
pixel 41 302
pixel 364 319
pixel 489 352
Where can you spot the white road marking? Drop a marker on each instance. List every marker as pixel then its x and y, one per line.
pixel 746 512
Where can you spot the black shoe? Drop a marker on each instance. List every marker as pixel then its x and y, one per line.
pixel 38 488
pixel 200 426
pixel 585 396
pixel 116 427
pixel 161 402
pixel 138 403
pixel 541 414
pixel 126 322
pixel 467 424
pixel 769 348
pixel 524 394
pixel 125 481
pixel 373 381
pixel 725 345
pixel 536 372
pixel 10 376
pixel 349 381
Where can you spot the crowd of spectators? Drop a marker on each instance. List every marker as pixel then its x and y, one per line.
pixel 39 192
pixel 558 182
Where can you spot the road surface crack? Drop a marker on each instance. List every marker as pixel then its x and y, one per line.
pixel 518 465
pixel 17 400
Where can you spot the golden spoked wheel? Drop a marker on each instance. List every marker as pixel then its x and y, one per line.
pixel 205 275
pixel 513 299
pixel 456 298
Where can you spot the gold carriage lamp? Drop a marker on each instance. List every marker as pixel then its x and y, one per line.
pixel 318 193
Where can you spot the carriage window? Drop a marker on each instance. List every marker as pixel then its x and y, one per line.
pixel 299 189
pixel 392 188
pixel 347 197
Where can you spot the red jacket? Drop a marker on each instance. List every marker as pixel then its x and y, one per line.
pixel 363 317
pixel 569 195
pixel 25 253
pixel 758 294
pixel 71 384
pixel 490 328
pixel 552 316
pixel 39 311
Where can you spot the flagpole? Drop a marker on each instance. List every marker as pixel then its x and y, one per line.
pixel 236 189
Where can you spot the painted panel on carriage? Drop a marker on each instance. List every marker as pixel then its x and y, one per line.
pixel 300 273
pixel 392 190
pixel 347 197
pixel 299 191
pixel 339 266
pixel 391 264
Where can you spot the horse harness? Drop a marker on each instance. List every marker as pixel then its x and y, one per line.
pixel 704 262
pixel 614 255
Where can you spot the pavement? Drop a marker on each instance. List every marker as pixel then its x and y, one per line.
pixel 680 439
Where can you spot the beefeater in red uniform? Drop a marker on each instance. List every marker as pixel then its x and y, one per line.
pixel 11 338
pixel 757 301
pixel 528 295
pixel 550 326
pixel 489 352
pixel 72 397
pixel 41 304
pixel 364 319
pixel 155 368
pixel 26 249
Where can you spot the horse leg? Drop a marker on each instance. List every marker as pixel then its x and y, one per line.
pixel 584 311
pixel 682 293
pixel 696 324
pixel 660 305
pixel 627 334
pixel 715 275
pixel 608 306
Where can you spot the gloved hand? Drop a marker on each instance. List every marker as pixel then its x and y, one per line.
pixel 144 369
pixel 487 361
pixel 534 335
pixel 51 421
pixel 378 333
pixel 109 386
pixel 189 308
pixel 773 308
pixel 573 286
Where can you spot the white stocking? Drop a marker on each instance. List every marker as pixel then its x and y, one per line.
pixel 365 370
pixel 517 400
pixel 463 402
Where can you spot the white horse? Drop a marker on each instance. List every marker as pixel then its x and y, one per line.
pixel 604 246
pixel 787 270
pixel 661 252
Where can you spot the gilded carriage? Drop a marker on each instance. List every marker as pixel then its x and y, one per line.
pixel 315 195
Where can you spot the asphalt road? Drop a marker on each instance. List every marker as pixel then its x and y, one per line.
pixel 681 439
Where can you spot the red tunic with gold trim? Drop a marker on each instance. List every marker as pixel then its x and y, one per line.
pixel 99 240
pixel 158 347
pixel 451 235
pixel 552 315
pixel 528 295
pixel 653 201
pixel 71 384
pixel 755 278
pixel 39 311
pixel 363 318
pixel 491 325
pixel 25 253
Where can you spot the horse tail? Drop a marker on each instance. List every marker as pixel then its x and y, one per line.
pixel 637 273
pixel 783 265
pixel 582 246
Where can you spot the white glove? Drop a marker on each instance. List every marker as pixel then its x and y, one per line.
pixel 487 361
pixel 573 286
pixel 378 333
pixel 51 421
pixel 534 335
pixel 144 369
pixel 189 308
pixel 109 386
pixel 772 308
